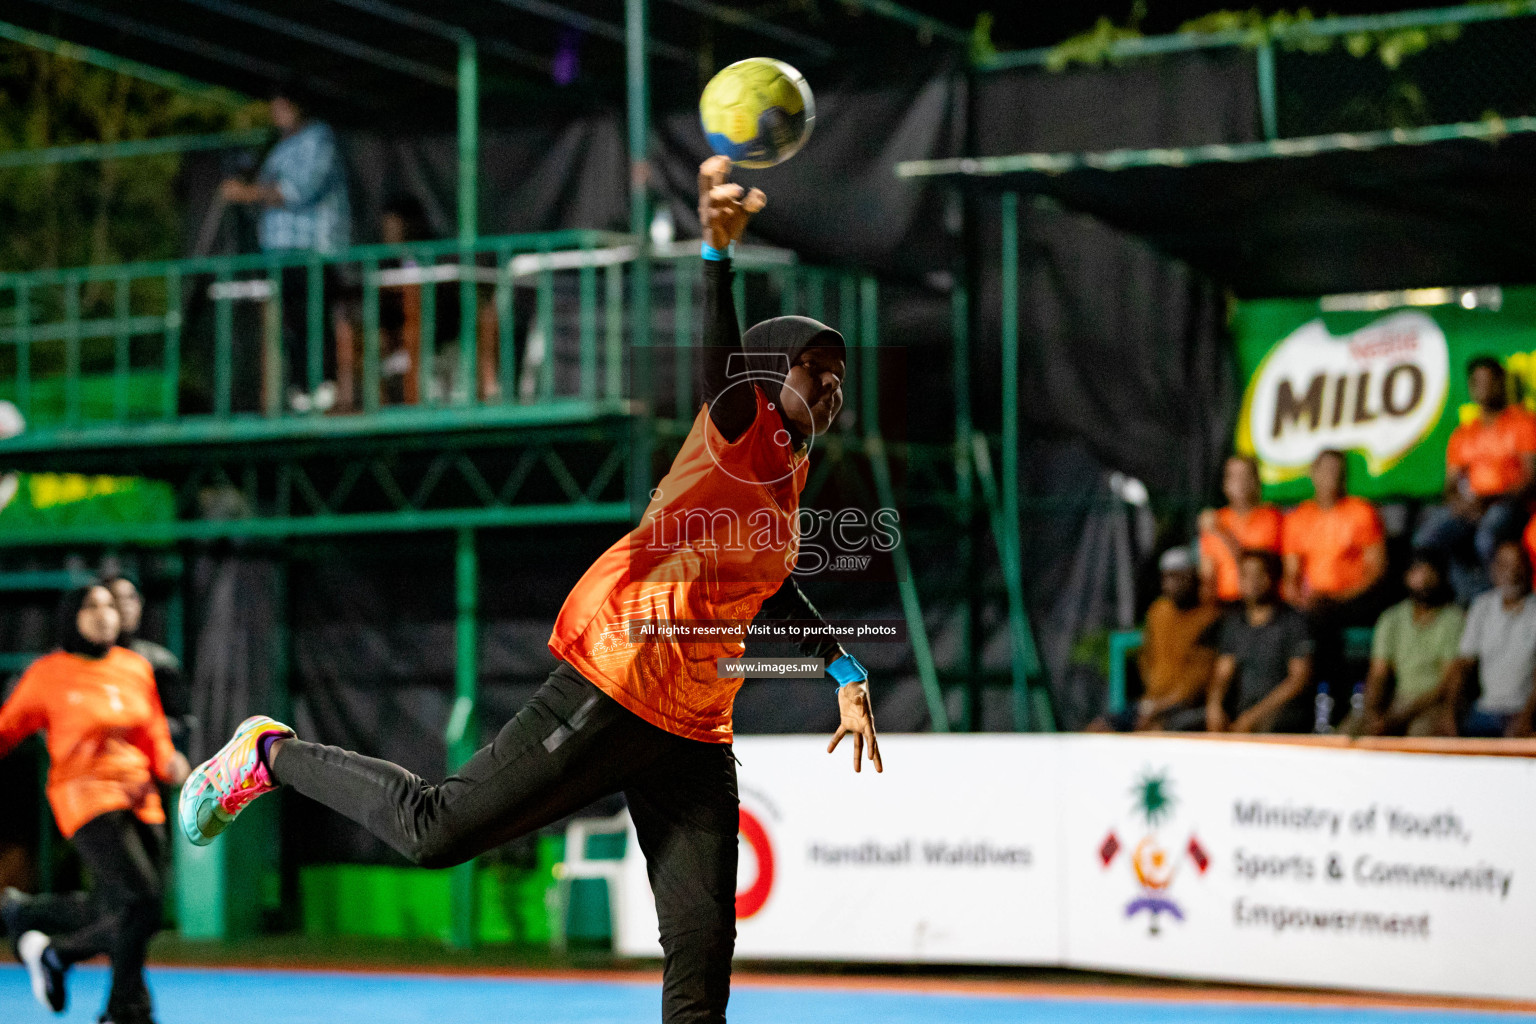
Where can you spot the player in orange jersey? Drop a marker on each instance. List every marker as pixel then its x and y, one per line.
pixel 651 719
pixel 108 744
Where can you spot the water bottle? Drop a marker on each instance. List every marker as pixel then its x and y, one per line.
pixel 1322 709
pixel 1357 701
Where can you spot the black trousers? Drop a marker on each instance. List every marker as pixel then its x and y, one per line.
pixel 570 745
pixel 1327 622
pixel 295 326
pixel 119 915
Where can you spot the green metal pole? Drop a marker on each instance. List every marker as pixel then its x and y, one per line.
pixel 965 503
pixel 120 354
pixel 637 43
pixel 314 321
pixel 463 729
pixel 637 25
pixel 223 350
pixel 469 212
pixel 121 65
pixel 176 609
pixel 880 467
pixel 170 380
pixel 1269 116
pixel 88 151
pixel 1009 539
pixel 928 28
pixel 72 350
pixel 24 350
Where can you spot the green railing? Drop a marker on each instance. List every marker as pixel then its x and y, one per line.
pixel 1438 66
pixel 541 321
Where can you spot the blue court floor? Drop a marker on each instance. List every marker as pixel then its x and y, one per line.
pixel 198 996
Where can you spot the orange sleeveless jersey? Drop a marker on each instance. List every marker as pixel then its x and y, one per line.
pixel 107 736
pixel 720 535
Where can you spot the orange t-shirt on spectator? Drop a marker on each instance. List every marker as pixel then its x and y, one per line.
pixel 1332 542
pixel 1259 530
pixel 108 740
pixel 1491 452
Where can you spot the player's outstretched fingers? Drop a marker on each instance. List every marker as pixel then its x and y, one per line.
pixel 728 194
pixel 858 752
pixel 874 753
pixel 755 201
pixel 837 738
pixel 713 171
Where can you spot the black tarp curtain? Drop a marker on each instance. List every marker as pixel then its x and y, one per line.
pixel 1124 369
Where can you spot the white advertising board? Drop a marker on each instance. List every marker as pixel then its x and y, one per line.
pixel 1298 865
pixel 948 856
pixel 1251 862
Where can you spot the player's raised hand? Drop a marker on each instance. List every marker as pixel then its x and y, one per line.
pixel 724 208
pixel 857 720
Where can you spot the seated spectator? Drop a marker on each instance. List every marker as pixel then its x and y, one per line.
pixel 1499 644
pixel 1263 671
pixel 1245 524
pixel 1177 654
pixel 1415 641
pixel 1335 555
pixel 1489 467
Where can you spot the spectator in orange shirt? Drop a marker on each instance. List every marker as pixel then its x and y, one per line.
pixel 108 744
pixel 1335 554
pixel 1490 464
pixel 1245 524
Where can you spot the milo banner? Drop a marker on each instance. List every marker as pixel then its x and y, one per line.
pixel 1387 387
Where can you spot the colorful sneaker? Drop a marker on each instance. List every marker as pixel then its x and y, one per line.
pixel 43 967
pixel 220 787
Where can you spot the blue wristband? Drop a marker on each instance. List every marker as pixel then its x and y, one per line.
pixel 847 670
pixel 709 252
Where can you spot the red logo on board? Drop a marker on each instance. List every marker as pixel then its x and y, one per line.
pixel 751 899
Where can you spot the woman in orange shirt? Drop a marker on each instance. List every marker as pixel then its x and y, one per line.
pixel 628 708
pixel 1246 524
pixel 108 747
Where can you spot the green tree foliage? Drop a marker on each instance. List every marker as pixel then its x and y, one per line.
pixel 93 212
pixel 1391 46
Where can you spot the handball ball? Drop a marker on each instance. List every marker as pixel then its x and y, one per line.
pixel 758 112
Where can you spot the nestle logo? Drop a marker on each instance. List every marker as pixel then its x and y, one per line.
pixel 1387 343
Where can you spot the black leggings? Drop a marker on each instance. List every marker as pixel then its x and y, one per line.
pixel 570 745
pixel 119 915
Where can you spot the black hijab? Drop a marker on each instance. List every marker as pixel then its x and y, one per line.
pixel 775 345
pixel 67 632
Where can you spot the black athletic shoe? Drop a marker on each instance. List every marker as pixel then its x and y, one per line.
pixel 43 966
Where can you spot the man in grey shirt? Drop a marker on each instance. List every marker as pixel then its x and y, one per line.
pixel 1500 643
pixel 1263 676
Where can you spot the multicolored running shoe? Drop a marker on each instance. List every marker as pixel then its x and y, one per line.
pixel 220 787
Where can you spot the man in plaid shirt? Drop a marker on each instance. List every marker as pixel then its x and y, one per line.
pixel 301 191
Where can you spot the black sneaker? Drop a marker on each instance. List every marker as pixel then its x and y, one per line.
pixel 37 953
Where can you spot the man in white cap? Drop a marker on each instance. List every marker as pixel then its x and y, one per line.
pixel 1177 654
